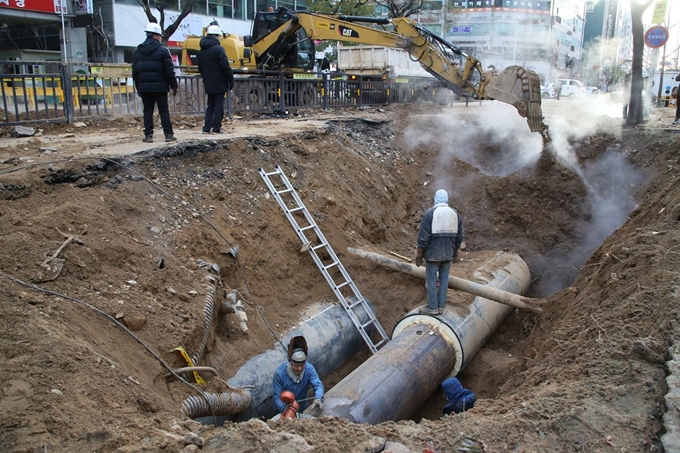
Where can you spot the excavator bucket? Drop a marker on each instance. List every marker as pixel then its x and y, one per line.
pixel 520 88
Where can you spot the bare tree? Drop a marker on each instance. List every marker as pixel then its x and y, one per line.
pixel 401 8
pixel 349 7
pixel 161 6
pixel 635 105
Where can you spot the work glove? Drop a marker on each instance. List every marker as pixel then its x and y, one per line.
pixel 317 403
pixel 174 92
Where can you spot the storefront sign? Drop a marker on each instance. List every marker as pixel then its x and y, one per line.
pixel 44 6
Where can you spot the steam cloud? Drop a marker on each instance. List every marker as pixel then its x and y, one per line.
pixel 468 134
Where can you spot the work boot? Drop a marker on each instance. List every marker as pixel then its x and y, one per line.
pixel 677 121
pixel 170 138
pixel 427 311
pixel 148 139
pixel 218 132
pixel 441 310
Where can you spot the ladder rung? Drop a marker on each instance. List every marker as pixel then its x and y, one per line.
pixel 340 286
pixel 279 192
pixel 363 326
pixel 381 342
pixel 299 208
pixel 308 227
pixel 335 263
pixel 277 172
pixel 319 246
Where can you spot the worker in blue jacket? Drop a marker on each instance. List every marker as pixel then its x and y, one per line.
pixel 296 376
pixel 459 398
pixel 439 238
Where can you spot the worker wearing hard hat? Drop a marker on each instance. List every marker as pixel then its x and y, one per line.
pixel 154 76
pixel 296 376
pixel 218 78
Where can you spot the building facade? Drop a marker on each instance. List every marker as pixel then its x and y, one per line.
pixel 545 36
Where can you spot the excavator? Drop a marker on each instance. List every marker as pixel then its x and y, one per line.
pixel 284 40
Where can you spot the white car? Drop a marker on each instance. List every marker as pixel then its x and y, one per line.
pixel 547 92
pixel 572 88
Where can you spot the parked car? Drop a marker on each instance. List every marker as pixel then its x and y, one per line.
pixel 572 88
pixel 547 92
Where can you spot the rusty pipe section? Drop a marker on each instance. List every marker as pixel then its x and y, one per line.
pixel 486 291
pixel 394 382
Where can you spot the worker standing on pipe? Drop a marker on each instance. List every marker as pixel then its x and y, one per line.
pixel 296 376
pixel 459 398
pixel 439 238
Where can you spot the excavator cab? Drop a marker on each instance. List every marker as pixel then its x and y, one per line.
pixel 297 53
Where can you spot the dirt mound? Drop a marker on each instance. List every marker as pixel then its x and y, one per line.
pixel 94 245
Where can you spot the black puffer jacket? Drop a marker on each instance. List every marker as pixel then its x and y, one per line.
pixel 152 68
pixel 214 66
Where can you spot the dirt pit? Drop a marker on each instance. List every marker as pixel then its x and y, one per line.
pixel 98 228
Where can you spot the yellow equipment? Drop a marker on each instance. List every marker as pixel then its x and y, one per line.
pixel 284 40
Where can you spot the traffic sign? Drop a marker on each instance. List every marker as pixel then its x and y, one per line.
pixel 656 36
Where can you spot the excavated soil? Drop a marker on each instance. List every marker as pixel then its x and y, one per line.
pixel 105 240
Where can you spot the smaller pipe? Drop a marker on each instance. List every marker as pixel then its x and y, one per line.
pixel 458 283
pixel 188 369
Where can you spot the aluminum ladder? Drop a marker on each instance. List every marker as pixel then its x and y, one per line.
pixel 325 258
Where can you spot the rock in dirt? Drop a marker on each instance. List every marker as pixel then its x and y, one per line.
pixel 23 131
pixel 135 323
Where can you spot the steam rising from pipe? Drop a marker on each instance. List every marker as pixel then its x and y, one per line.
pixel 496 142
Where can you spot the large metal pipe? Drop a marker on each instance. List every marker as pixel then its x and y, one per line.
pixel 332 340
pixel 394 382
pixel 495 294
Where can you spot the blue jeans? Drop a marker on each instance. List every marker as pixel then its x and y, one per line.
pixel 436 297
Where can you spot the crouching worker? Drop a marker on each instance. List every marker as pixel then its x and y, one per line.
pixel 292 381
pixel 460 399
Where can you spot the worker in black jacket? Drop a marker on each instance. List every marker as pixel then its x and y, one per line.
pixel 154 76
pixel 218 78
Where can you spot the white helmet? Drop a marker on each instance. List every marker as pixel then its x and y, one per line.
pixel 154 28
pixel 214 30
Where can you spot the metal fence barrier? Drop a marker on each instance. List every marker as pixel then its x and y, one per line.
pixel 82 91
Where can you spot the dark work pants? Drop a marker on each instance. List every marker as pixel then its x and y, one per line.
pixel 677 106
pixel 214 112
pixel 150 100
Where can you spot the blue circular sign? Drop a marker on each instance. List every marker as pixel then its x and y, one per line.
pixel 656 36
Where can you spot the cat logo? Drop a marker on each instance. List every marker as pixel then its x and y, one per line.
pixel 347 32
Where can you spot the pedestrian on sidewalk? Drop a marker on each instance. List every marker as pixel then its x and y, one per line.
pixel 218 79
pixel 439 238
pixel 558 88
pixel 154 76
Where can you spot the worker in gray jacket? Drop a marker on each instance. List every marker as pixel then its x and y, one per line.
pixel 439 238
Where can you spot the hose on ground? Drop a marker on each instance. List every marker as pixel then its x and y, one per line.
pixel 235 401
pixel 208 308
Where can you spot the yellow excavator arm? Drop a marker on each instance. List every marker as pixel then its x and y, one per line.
pixel 460 72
